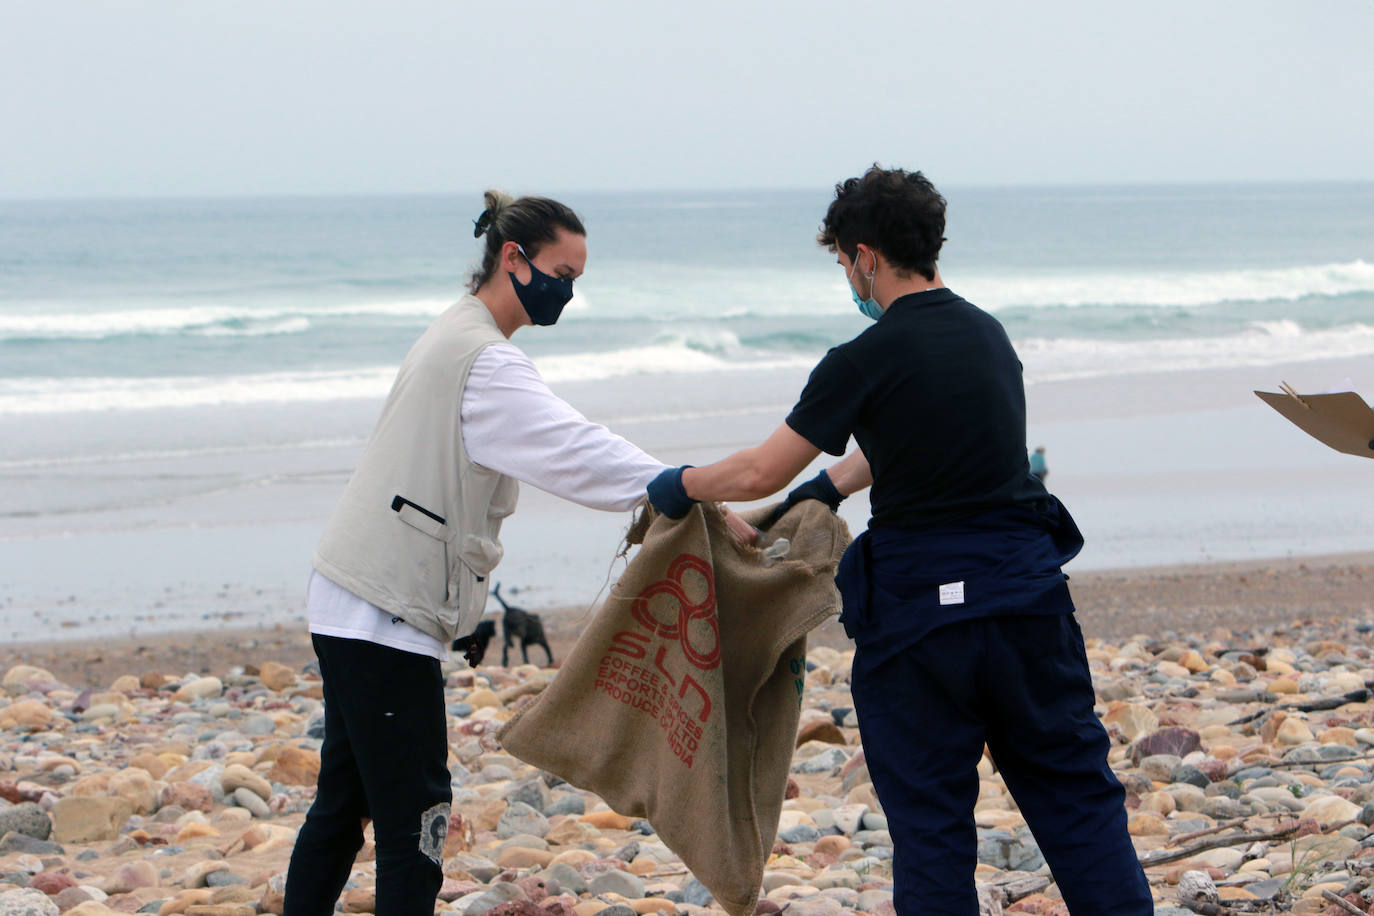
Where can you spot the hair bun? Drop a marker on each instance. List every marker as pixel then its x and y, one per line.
pixel 496 201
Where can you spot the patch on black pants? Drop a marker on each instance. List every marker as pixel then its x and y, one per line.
pixel 433 830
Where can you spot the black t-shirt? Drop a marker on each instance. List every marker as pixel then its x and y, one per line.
pixel 932 393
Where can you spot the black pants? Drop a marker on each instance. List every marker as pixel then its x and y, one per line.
pixel 385 757
pixel 1020 684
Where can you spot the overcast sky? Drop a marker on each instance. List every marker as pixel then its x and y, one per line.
pixel 189 97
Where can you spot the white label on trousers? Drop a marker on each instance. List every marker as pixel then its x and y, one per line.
pixel 952 593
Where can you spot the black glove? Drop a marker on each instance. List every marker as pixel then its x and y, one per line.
pixel 668 496
pixel 818 488
pixel 472 651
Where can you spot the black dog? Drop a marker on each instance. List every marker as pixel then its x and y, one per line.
pixel 474 645
pixel 520 624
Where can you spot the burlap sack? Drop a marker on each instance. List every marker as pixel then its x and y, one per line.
pixel 679 702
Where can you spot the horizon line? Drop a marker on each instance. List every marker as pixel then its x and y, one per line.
pixel 1185 183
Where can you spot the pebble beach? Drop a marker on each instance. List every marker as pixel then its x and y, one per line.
pixel 169 774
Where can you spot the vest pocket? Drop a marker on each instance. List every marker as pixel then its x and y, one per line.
pixel 433 525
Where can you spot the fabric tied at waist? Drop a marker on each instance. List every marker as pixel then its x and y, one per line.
pixel 897 585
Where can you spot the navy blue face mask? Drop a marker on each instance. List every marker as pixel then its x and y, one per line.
pixel 544 296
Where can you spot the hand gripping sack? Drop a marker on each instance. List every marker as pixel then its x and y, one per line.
pixel 679 702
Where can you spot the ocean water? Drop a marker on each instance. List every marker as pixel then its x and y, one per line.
pixel 185 385
pixel 136 305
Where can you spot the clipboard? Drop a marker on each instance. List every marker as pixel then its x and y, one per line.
pixel 1342 421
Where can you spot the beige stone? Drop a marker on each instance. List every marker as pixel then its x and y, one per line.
pixel 125 683
pixel 1134 719
pixel 607 820
pixel 1331 809
pixel 89 819
pixel 33 715
pixel 181 772
pixel 1147 824
pixel 523 857
pixel 483 697
pixel 295 767
pixel 136 786
pixel 23 674
pixel 237 776
pixel 276 676
pixel 91 908
pixel 1338 735
pixel 1283 685
pixel 1293 731
pixel 97 783
pixel 573 857
pixel 833 844
pixel 201 688
pixel 1194 662
pixel 571 833
pixel 1161 803
pixel 195 831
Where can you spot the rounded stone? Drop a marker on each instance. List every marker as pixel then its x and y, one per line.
pixel 617 882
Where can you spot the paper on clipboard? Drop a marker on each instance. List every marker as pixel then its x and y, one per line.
pixel 1342 421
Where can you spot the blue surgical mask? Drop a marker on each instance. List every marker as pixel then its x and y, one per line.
pixel 544 296
pixel 870 307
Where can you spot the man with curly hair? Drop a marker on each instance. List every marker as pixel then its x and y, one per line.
pixel 954 596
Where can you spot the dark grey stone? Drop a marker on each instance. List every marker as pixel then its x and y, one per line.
pixel 801 833
pixel 22 842
pixel 695 893
pixel 1191 775
pixel 568 878
pixel 1009 851
pixel 567 803
pixel 1267 889
pixel 27 818
pixel 531 792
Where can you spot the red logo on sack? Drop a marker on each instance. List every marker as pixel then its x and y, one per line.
pixel 655 690
pixel 688 610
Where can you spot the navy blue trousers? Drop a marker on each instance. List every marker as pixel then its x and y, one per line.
pixel 1020 683
pixel 384 757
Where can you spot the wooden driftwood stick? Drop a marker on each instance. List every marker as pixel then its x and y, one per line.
pixel 1160 857
pixel 1343 903
pixel 1189 837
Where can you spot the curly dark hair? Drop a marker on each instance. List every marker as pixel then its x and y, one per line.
pixel 892 210
pixel 531 221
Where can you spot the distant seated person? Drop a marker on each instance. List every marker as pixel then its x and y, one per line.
pixel 1038 468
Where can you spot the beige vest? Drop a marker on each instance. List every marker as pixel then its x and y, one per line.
pixel 416 531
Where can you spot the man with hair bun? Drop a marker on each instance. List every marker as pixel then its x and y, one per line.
pixel 955 598
pixel 401 568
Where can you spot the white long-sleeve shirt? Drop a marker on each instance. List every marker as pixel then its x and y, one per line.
pixel 513 424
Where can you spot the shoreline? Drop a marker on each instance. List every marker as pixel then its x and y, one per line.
pixel 1113 606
